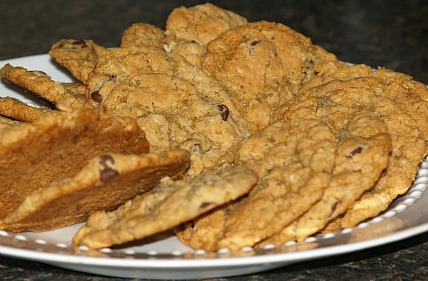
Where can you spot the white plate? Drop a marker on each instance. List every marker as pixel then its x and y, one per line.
pixel 165 257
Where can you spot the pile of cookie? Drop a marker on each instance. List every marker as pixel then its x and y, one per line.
pixel 231 133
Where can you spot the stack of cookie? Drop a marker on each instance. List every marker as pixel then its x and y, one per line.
pixel 260 136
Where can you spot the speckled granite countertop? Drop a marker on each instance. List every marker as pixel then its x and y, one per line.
pixel 393 34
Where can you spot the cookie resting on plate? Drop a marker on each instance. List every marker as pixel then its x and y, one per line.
pixel 293 160
pixel 56 147
pixel 166 206
pixel 104 183
pixel 337 100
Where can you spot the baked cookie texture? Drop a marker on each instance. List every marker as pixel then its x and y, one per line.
pixel 41 85
pixel 177 104
pixel 18 110
pixel 408 143
pixel 7 123
pixel 262 65
pixel 104 183
pixel 57 146
pixel 78 56
pixel 143 34
pixel 294 161
pixel 409 95
pixel 166 206
pixel 175 114
pixel 189 30
pixel 361 157
pixel 256 136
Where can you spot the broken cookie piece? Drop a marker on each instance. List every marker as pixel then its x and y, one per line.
pixel 56 147
pixel 106 182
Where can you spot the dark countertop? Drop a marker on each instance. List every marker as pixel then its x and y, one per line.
pixel 393 34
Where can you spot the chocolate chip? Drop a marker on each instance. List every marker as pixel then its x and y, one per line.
pixel 96 97
pixel 205 205
pixel 189 224
pixel 354 152
pixel 334 207
pixel 254 43
pixel 106 172
pixel 224 111
pixel 79 43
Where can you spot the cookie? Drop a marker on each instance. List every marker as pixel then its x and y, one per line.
pixel 361 157
pixel 334 101
pixel 175 114
pixel 143 34
pixel 177 104
pixel 104 183
pixel 7 123
pixel 18 110
pixel 188 30
pixel 166 206
pixel 294 161
pixel 409 95
pixel 75 89
pixel 41 85
pixel 121 64
pixel 57 146
pixel 262 65
pixel 77 56
pixel 118 64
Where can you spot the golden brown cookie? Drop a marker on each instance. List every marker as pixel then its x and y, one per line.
pixel 409 95
pixel 334 102
pixel 188 30
pixel 18 110
pixel 104 183
pixel 362 155
pixel 166 206
pixel 56 147
pixel 175 114
pixel 177 104
pixel 263 64
pixel 77 56
pixel 294 160
pixel 41 85
pixel 119 64
pixel 7 123
pixel 143 34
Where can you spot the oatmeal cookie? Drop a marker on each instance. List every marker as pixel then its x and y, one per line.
pixel 361 157
pixel 7 123
pixel 294 160
pixel 77 56
pixel 42 86
pixel 166 206
pixel 117 65
pixel 175 114
pixel 334 101
pixel 143 34
pixel 188 30
pixel 409 95
pixel 177 104
pixel 18 110
pixel 262 65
